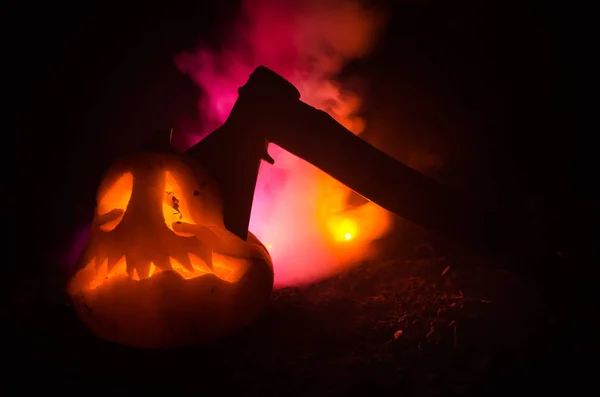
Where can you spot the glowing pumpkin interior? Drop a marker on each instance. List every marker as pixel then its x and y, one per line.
pixel 159 268
pixel 150 219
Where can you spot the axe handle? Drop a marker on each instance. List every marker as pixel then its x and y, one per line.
pixel 269 109
pixel 316 137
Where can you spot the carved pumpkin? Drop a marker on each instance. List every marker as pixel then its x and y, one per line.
pixel 160 269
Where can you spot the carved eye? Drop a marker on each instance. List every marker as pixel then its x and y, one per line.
pixel 115 200
pixel 145 285
pixel 175 204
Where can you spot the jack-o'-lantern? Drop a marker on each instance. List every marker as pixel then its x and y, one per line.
pixel 160 269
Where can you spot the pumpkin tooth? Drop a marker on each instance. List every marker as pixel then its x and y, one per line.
pixel 203 252
pixel 114 255
pixel 131 264
pixel 134 275
pixel 101 269
pixel 143 269
pixel 184 260
pixel 87 256
pixel 152 269
pixel 101 255
pixel 161 263
pixel 200 264
pixel 118 269
pixel 112 261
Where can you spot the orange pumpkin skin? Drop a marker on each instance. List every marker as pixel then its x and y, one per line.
pixel 147 282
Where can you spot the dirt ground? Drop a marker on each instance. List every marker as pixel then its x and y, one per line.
pixel 427 325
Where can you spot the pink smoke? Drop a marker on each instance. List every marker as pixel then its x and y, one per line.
pixel 298 212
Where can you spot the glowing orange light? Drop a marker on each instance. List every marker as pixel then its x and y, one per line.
pixel 100 275
pixel 152 269
pixel 342 229
pixel 175 208
pixel 295 216
pixel 116 197
pixel 225 267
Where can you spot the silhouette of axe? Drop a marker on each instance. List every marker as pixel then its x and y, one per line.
pixel 269 109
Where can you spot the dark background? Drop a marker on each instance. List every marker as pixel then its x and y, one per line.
pixel 489 88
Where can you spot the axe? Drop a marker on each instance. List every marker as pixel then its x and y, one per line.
pixel 269 110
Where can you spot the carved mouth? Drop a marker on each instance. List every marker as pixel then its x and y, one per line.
pixel 226 268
